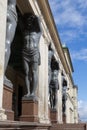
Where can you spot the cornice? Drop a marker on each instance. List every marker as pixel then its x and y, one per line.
pixel 69 58
pixel 46 12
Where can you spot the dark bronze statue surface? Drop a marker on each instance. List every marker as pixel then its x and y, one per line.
pixel 64 94
pixel 50 57
pixel 31 54
pixel 54 86
pixel 10 29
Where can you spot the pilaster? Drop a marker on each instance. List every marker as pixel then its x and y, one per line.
pixel 60 97
pixel 43 83
pixel 3 10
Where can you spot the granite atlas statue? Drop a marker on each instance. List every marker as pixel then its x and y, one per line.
pixel 11 25
pixel 31 54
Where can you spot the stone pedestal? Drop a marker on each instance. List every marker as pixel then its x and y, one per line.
pixel 64 118
pixel 7 102
pixel 29 110
pixel 53 116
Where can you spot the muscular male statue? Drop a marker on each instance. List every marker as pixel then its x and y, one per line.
pixel 54 86
pixel 50 56
pixel 64 95
pixel 10 29
pixel 31 55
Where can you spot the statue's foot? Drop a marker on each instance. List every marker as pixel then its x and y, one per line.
pixel 54 108
pixel 7 82
pixel 27 95
pixel 32 94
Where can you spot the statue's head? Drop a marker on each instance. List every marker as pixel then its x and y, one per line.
pixel 50 47
pixel 29 19
pixel 54 64
pixel 64 81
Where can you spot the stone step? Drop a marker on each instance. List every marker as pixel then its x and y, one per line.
pixel 15 125
pixel 81 126
pixel 19 125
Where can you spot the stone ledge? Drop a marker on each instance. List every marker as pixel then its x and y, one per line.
pixel 13 125
pixel 79 126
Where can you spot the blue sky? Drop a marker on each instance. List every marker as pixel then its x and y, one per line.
pixel 71 21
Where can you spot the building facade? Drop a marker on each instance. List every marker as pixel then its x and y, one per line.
pixel 13 96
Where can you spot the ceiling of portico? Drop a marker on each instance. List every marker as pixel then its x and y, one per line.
pixel 24 6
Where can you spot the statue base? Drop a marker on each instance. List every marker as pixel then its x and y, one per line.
pixel 29 110
pixel 7 102
pixel 64 118
pixel 53 116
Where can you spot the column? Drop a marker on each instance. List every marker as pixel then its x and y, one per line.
pixel 3 9
pixel 46 108
pixel 60 98
pixel 43 83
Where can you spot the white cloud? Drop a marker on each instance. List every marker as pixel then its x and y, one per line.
pixel 65 12
pixel 68 35
pixel 82 4
pixel 80 55
pixel 82 109
pixel 71 18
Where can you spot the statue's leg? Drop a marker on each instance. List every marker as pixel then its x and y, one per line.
pixel 55 99
pixel 10 32
pixel 27 82
pixel 34 71
pixel 64 107
pixel 51 98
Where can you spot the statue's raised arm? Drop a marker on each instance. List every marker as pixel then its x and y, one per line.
pixel 10 29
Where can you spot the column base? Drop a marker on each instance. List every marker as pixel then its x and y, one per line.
pixel 53 115
pixel 29 110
